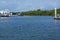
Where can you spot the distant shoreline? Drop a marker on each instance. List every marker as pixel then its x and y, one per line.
pixel 37 12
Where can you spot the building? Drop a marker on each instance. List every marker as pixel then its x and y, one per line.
pixel 5 13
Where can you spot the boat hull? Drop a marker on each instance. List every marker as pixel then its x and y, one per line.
pixel 57 18
pixel 5 15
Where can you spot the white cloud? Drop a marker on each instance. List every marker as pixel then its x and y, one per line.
pixel 54 3
pixel 29 4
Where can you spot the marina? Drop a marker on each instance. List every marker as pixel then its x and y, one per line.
pixel 29 19
pixel 5 13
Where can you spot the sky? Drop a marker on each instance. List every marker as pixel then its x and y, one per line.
pixel 26 5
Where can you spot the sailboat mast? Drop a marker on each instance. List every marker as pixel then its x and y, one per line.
pixel 55 12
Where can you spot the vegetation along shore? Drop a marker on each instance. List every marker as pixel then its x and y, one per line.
pixel 38 12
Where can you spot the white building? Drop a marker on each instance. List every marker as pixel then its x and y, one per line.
pixel 5 13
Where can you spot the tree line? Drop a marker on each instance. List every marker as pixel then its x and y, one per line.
pixel 38 12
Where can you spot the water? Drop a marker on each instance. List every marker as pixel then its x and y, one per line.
pixel 29 28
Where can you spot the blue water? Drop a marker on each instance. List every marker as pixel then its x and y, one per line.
pixel 29 28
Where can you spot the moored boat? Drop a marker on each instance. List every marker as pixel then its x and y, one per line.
pixel 5 13
pixel 57 16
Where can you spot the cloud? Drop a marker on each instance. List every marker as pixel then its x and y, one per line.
pixel 23 5
pixel 38 4
pixel 54 3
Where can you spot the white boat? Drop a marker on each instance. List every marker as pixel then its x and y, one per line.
pixel 5 13
pixel 56 15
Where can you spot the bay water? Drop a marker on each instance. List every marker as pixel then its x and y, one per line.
pixel 29 28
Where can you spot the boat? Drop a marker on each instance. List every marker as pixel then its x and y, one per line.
pixel 20 15
pixel 5 13
pixel 57 17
